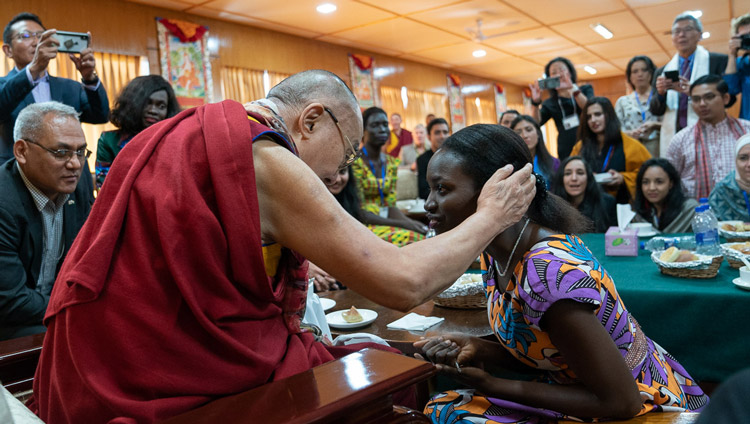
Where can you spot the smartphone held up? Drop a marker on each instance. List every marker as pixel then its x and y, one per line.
pixel 72 42
pixel 549 83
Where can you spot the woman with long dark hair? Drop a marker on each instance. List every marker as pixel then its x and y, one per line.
pixel 143 102
pixel 529 130
pixel 608 150
pixel 659 198
pixel 633 109
pixel 555 311
pixel 575 183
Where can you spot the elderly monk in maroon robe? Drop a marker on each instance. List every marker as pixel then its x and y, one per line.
pixel 187 282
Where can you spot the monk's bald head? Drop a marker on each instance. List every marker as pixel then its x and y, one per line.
pixel 317 85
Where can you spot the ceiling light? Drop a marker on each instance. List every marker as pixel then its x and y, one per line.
pixel 479 53
pixel 326 8
pixel 602 30
pixel 590 69
pixel 706 34
pixel 695 13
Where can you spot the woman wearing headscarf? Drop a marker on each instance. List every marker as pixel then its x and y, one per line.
pixel 729 199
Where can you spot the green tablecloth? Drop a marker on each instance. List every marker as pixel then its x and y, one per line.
pixel 705 324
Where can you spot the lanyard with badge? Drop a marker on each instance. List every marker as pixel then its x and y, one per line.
pixel 638 102
pixel 383 207
pixel 569 122
pixel 607 158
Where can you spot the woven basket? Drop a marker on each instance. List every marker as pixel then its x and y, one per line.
pixel 709 272
pixel 734 263
pixel 474 301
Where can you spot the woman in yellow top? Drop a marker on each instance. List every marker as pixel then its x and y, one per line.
pixel 376 174
pixel 609 150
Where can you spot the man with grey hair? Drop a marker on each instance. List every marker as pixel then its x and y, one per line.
pixel 194 257
pixel 42 207
pixel 672 81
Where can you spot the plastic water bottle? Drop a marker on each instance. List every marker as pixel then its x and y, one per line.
pixel 663 243
pixel 706 229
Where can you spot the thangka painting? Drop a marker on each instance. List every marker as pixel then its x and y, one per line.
pixel 185 61
pixel 501 103
pixel 456 103
pixel 361 71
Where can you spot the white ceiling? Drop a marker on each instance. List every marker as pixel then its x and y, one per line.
pixel 533 31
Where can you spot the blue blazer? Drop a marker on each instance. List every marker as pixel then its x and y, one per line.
pixel 21 241
pixel 15 94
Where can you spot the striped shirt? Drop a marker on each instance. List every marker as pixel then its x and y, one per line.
pixel 52 246
pixel 720 141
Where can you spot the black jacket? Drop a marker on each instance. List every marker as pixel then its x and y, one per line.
pixel 21 238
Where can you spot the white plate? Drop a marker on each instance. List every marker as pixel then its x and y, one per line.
pixel 644 229
pixel 335 319
pixel 327 303
pixel 741 284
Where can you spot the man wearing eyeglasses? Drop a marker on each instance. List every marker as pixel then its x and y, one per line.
pixel 689 63
pixel 42 207
pixel 31 47
pixel 703 153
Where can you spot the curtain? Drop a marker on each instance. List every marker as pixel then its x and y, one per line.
pixel 419 105
pixel 484 113
pixel 245 85
pixel 115 71
pixel 242 85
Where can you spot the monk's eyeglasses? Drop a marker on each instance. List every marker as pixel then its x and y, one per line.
pixel 350 157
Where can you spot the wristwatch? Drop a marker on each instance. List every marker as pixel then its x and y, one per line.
pixel 93 81
pixel 535 103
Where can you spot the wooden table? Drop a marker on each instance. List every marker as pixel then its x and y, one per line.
pixel 471 322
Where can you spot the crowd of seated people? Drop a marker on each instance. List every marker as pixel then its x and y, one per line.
pixel 325 188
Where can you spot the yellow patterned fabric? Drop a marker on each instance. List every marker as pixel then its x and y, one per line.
pixel 367 184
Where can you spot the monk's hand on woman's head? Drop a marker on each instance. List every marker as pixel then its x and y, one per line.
pixel 506 196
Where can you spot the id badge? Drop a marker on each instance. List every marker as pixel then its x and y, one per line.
pixel 570 122
pixel 384 211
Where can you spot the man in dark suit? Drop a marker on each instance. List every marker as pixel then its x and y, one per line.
pixel 31 47
pixel 42 207
pixel 690 62
pixel 437 131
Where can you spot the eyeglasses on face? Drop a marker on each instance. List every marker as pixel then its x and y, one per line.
pixel 683 30
pixel 706 97
pixel 27 35
pixel 64 155
pixel 354 154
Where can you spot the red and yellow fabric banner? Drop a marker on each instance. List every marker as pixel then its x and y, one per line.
pixel 362 77
pixel 455 102
pixel 185 61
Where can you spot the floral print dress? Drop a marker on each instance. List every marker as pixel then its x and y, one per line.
pixel 557 268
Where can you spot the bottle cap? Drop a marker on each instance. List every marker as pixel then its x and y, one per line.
pixel 703 200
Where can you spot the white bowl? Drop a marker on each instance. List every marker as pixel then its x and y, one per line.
pixel 644 229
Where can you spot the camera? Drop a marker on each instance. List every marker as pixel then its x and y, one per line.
pixel 745 42
pixel 72 42
pixel 549 83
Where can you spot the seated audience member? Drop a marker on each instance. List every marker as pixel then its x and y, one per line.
pixel 508 117
pixel 399 137
pixel 544 164
pixel 729 402
pixel 737 72
pixel 143 102
pixel 703 153
pixel 729 199
pixel 185 285
pixel 691 62
pixel 575 183
pixel 437 131
pixel 410 152
pixel 564 105
pixel 344 189
pixel 551 306
pixel 632 110
pixel 659 199
pixel 429 118
pixel 376 174
pixel 42 207
pixel 607 149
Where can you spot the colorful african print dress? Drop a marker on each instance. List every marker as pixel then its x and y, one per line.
pixel 561 267
pixel 370 188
